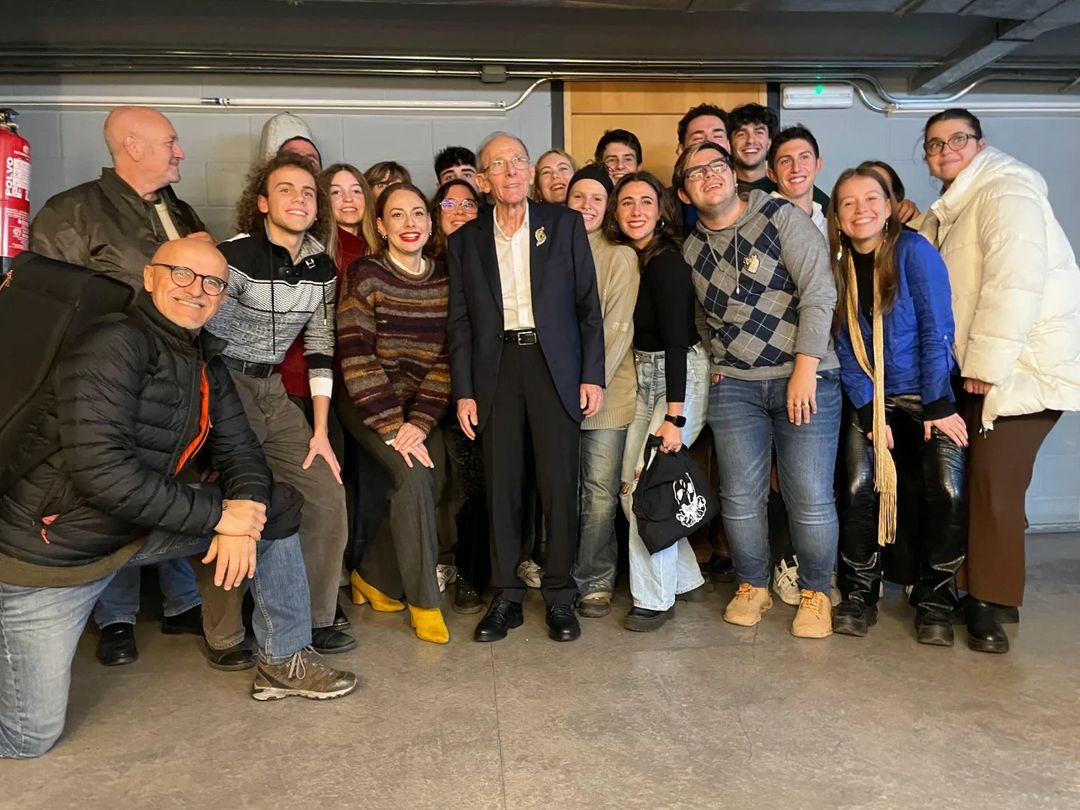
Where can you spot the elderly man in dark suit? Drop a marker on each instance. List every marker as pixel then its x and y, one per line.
pixel 526 353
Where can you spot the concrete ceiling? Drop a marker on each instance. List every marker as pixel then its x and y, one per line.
pixel 936 44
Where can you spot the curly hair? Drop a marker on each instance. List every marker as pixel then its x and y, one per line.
pixel 250 220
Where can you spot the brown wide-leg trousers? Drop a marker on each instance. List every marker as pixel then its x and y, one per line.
pixel 1000 462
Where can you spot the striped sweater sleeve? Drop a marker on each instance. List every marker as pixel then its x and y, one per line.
pixel 366 381
pixel 433 395
pixel 319 342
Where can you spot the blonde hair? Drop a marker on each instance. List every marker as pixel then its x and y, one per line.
pixel 535 192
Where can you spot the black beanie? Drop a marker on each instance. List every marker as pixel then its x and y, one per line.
pixel 592 172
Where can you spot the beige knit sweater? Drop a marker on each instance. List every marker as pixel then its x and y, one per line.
pixel 617 278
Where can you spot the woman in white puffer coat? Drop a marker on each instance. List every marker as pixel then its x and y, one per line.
pixel 1016 302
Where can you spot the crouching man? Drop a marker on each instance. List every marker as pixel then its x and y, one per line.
pixel 130 406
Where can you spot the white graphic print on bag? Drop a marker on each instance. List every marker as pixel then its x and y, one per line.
pixel 691 505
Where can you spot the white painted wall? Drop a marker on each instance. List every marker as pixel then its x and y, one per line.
pixel 1046 142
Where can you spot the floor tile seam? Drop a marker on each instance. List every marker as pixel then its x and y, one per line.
pixel 498 724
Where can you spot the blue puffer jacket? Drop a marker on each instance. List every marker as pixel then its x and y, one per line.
pixel 918 335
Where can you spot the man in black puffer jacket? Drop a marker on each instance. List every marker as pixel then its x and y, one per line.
pixel 131 405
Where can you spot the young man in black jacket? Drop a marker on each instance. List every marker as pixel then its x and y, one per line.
pixel 130 407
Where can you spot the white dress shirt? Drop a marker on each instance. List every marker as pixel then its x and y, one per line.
pixel 512 253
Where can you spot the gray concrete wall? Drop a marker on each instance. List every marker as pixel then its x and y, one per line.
pixel 1046 142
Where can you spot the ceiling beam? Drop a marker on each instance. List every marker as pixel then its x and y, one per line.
pixel 984 49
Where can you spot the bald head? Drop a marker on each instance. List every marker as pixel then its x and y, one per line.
pixel 144 147
pixel 180 280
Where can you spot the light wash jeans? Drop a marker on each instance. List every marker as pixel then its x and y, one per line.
pixel 119 602
pixel 40 628
pixel 747 417
pixel 655 579
pixel 601 466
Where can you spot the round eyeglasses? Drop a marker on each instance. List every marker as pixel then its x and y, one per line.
pixel 185 277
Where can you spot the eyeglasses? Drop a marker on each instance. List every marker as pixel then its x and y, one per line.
pixel 615 161
pixel 956 142
pixel 501 165
pixel 699 173
pixel 468 206
pixel 185 277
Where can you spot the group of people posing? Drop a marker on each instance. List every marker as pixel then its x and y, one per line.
pixel 460 391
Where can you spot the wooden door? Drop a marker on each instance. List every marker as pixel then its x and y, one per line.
pixel 651 110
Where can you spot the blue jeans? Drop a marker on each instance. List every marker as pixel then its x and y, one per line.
pixel 119 602
pixel 601 464
pixel 40 628
pixel 655 579
pixel 747 417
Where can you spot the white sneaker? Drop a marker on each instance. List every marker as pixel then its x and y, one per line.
pixel 529 573
pixel 786 582
pixel 834 592
pixel 446 575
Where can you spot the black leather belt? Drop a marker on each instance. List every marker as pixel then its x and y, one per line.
pixel 249 368
pixel 522 337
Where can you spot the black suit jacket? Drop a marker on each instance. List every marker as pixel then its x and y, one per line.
pixel 566 306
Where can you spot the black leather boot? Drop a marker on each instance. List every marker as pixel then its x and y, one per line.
pixel 933 627
pixel 854 618
pixel 985 633
pixel 116 646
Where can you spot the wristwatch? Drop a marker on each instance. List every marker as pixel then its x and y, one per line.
pixel 677 421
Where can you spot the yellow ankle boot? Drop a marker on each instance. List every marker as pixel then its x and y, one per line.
pixel 363 592
pixel 429 624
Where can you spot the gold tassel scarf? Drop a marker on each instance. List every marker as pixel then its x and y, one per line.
pixel 884 466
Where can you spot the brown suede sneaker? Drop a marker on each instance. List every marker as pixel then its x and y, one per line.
pixel 814 617
pixel 747 605
pixel 303 675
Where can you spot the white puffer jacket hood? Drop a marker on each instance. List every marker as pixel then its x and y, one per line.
pixel 1015 286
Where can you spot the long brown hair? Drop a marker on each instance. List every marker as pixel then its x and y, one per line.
pixel 437 246
pixel 367 222
pixel 250 220
pixel 666 234
pixel 840 248
pixel 381 246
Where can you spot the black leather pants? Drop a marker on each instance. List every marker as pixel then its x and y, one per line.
pixel 943 508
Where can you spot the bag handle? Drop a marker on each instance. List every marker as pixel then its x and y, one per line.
pixel 652 444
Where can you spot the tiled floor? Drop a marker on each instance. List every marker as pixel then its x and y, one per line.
pixel 698 715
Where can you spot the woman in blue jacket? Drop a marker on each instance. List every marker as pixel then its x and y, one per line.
pixel 894 334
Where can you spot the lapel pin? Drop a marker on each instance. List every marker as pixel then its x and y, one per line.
pixel 541 236
pixel 750 263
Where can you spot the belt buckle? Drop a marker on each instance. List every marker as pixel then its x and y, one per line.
pixel 526 338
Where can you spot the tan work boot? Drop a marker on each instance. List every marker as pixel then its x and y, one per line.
pixel 814 617
pixel 747 605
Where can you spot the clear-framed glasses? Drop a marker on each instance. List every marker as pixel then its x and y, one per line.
pixel 185 277
pixel 468 206
pixel 501 165
pixel 699 173
pixel 615 161
pixel 956 142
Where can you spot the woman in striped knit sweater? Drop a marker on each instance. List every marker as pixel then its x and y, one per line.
pixel 391 343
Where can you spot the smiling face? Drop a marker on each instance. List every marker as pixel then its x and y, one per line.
pixel 750 146
pixel 404 223
pixel 619 160
pixel 159 150
pixel 347 201
pixel 553 172
pixel 507 174
pixel 706 128
pixel 716 186
pixel 186 306
pixel 290 202
pixel 590 198
pixel 949 162
pixel 452 218
pixel 796 168
pixel 862 211
pixel 637 210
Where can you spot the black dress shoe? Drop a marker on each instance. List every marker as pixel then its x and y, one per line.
pixel 466 599
pixel 189 622
pixel 985 633
pixel 1006 614
pixel 933 627
pixel 501 617
pixel 854 618
pixel 562 622
pixel 698 594
pixel 330 640
pixel 116 646
pixel 721 569
pixel 231 659
pixel 341 621
pixel 642 620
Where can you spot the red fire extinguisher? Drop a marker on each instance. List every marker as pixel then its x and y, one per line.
pixel 14 191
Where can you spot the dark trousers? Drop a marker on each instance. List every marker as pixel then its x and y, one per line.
pixel 941 502
pixel 400 559
pixel 526 400
pixel 999 472
pixel 464 507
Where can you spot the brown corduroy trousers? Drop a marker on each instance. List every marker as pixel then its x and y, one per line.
pixel 1000 462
